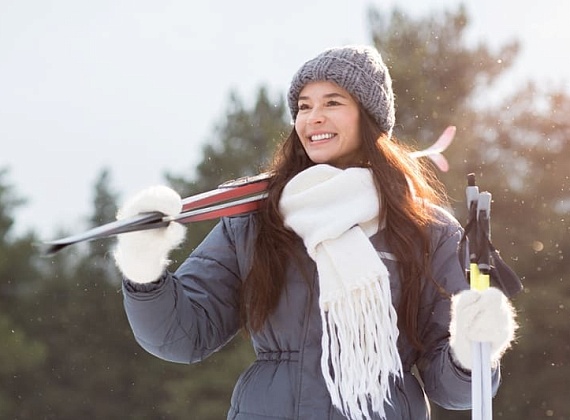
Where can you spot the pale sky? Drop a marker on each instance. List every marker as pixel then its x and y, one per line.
pixel 137 86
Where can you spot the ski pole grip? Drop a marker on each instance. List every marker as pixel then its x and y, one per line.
pixel 472 196
pixel 483 240
pixel 484 222
pixel 472 191
pixel 484 206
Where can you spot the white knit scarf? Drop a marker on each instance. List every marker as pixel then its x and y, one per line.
pixel 335 211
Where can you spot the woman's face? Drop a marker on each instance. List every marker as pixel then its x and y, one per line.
pixel 328 124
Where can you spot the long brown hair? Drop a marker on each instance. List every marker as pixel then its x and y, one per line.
pixel 405 185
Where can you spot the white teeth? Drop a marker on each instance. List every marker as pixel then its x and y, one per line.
pixel 325 136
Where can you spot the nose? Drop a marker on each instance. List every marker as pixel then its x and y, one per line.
pixel 316 116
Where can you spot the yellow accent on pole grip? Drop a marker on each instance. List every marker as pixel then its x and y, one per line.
pixel 477 280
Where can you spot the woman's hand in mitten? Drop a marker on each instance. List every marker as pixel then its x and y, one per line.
pixel 485 316
pixel 142 256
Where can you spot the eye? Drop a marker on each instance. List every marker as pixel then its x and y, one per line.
pixel 303 106
pixel 333 102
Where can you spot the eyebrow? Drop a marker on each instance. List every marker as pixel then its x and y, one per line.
pixel 327 96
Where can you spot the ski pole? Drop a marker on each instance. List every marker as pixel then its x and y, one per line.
pixel 479 268
pixel 482 283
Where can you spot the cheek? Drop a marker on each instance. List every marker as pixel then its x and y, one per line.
pixel 299 130
pixel 298 126
pixel 357 138
pixel 353 132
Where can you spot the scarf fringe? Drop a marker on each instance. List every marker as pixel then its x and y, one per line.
pixel 361 356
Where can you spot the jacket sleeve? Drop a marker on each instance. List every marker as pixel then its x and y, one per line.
pixel 186 316
pixel 446 384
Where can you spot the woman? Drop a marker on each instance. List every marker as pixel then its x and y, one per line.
pixel 347 279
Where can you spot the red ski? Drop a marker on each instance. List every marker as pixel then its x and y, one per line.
pixel 229 199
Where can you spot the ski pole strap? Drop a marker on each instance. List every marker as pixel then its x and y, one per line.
pixel 477 252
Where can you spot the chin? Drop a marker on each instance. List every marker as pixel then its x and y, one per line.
pixel 319 159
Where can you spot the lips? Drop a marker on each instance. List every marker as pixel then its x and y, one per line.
pixel 321 136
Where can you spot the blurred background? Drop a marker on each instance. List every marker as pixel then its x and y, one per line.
pixel 101 99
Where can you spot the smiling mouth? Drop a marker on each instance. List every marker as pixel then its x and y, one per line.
pixel 321 137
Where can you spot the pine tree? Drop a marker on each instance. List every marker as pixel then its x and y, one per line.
pixel 21 353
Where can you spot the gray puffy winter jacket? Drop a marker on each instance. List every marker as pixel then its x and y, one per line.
pixel 188 315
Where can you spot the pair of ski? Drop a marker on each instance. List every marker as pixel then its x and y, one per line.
pixel 232 198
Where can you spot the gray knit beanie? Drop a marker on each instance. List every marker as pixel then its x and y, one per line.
pixel 357 69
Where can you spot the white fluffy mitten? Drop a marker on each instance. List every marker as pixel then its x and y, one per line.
pixel 142 256
pixel 485 316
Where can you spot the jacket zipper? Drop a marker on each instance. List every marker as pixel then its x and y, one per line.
pixel 303 343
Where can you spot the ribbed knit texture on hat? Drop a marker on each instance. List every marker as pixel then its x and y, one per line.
pixel 357 69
